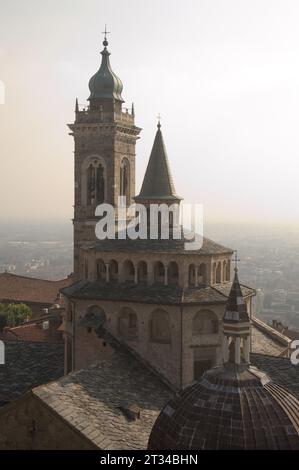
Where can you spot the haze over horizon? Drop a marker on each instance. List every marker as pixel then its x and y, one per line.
pixel 223 75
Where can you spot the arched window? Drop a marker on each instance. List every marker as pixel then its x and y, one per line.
pixel 159 272
pixel 124 189
pixel 192 278
pixel 173 273
pixel 95 183
pixel 91 185
pixel 129 271
pixel 205 322
pixel 218 273
pixel 94 319
pixel 142 271
pixel 160 327
pixel 127 324
pixel 202 274
pixel 101 270
pixel 113 270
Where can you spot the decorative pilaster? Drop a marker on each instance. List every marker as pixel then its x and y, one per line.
pixel 107 265
pixel 165 275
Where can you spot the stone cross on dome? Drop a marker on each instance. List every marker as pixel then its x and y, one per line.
pixel 105 42
pixel 236 260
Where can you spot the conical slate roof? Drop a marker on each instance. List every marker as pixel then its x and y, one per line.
pixel 236 310
pixel 105 84
pixel 158 183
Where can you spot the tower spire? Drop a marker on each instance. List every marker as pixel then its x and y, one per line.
pixel 159 121
pixel 158 183
pixel 236 325
pixel 104 84
pixel 236 260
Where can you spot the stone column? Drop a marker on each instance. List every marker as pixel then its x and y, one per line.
pixel 210 272
pixel 183 275
pixel 165 275
pixel 237 350
pixel 196 276
pixel 136 273
pixel 150 273
pixel 246 343
pixel 225 352
pixel 107 272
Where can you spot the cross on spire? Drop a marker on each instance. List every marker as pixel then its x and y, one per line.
pixel 105 42
pixel 159 120
pixel 235 260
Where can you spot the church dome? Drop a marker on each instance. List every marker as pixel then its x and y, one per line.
pixel 104 84
pixel 231 407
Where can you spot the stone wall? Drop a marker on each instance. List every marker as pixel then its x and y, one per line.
pixel 29 424
pixel 173 359
pixel 109 142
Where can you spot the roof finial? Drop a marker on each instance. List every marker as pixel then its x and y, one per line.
pixel 105 42
pixel 159 121
pixel 236 259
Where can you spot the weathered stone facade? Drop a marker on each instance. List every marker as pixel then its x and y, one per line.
pixel 163 300
pixel 106 142
pixel 178 341
pixel 29 425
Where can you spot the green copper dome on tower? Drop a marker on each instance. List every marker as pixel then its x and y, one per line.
pixel 105 84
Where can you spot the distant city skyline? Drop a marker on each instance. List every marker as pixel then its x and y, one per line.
pixel 223 75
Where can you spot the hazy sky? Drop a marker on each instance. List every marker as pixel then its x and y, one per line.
pixel 224 74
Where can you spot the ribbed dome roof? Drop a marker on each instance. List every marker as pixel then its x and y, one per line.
pixel 231 407
pixel 105 84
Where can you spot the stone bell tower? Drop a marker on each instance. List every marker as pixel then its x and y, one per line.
pixel 105 138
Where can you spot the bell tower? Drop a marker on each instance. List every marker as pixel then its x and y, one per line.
pixel 105 139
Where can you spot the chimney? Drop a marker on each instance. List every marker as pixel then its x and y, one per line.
pixel 131 412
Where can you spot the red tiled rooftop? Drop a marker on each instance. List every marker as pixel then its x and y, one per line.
pixel 28 289
pixel 34 332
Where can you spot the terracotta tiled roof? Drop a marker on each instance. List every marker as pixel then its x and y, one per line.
pixel 43 330
pixel 27 289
